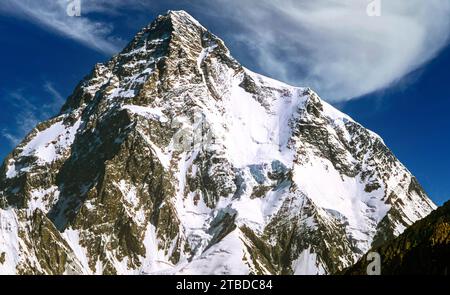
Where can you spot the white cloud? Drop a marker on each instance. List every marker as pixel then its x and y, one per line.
pixel 52 14
pixel 334 46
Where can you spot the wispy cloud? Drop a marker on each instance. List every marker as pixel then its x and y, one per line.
pixel 26 117
pixel 52 14
pixel 29 113
pixel 58 99
pixel 334 46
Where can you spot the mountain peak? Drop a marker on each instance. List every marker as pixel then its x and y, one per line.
pixel 182 15
pixel 178 18
pixel 177 13
pixel 172 157
pixel 173 41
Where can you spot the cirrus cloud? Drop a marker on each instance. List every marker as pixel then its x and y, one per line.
pixel 334 47
pixel 52 15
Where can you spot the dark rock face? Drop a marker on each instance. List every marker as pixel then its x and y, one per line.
pixel 173 158
pixel 424 248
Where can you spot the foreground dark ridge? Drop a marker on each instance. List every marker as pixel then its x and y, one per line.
pixel 424 248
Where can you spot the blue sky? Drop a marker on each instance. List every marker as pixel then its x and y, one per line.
pixel 389 73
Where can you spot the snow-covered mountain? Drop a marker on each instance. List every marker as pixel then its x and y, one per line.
pixel 174 158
